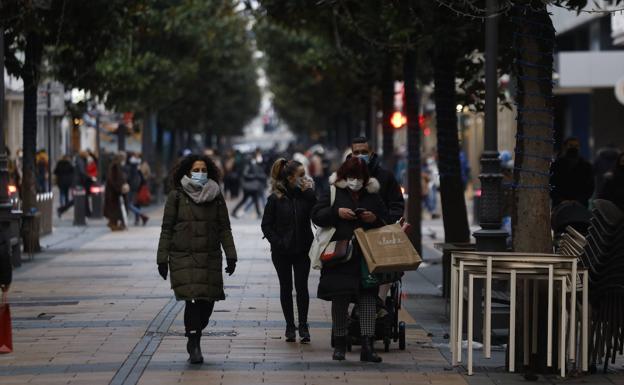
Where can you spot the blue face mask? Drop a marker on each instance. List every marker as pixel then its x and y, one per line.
pixel 199 177
pixel 365 158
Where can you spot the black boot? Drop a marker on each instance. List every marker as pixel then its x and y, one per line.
pixel 291 333
pixel 193 347
pixel 340 348
pixel 368 350
pixel 304 333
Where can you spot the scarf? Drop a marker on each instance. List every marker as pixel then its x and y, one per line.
pixel 199 193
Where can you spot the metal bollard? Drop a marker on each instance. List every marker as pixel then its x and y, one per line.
pixel 80 206
pixel 97 201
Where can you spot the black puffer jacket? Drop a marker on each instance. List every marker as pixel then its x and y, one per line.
pixel 344 279
pixel 286 221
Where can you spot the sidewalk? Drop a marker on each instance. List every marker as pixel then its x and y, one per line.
pixel 91 309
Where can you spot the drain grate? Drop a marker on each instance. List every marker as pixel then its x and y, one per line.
pixel 44 303
pixel 217 333
pixel 41 317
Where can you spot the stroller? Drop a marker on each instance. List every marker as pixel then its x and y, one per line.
pixel 388 328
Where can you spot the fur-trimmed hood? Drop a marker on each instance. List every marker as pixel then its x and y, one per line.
pixel 372 186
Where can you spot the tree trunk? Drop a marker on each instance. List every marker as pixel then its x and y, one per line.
pixel 147 137
pixel 534 41
pixel 412 107
pixel 387 106
pixel 454 214
pixel 534 146
pixel 30 76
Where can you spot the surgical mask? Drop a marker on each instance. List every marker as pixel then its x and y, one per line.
pixel 364 157
pixel 355 184
pixel 199 177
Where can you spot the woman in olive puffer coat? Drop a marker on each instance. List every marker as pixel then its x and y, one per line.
pixel 195 227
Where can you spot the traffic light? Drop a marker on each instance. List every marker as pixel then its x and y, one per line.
pixel 398 120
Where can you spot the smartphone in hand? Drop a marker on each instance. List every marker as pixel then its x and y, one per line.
pixel 359 211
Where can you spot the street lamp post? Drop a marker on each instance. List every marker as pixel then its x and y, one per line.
pixel 491 237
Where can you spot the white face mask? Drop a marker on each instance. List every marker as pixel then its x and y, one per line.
pixel 355 184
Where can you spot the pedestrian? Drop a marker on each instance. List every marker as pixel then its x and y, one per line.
pixel 357 204
pixel 135 182
pixel 80 181
pixel 41 170
pixel 194 229
pixel 389 190
pixel 231 178
pixel 571 176
pixel 605 159
pixel 115 193
pixel 286 225
pixel 64 173
pixel 254 183
pixel 613 187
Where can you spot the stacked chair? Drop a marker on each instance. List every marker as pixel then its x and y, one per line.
pixel 601 252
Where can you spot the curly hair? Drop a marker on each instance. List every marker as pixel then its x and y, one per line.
pixel 184 166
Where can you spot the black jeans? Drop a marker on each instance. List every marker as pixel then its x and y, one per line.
pixel 197 314
pixel 285 265
pixel 247 194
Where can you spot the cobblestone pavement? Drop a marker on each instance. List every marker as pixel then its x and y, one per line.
pixel 91 309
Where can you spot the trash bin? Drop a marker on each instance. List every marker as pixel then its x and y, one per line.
pixel 80 206
pixel 97 201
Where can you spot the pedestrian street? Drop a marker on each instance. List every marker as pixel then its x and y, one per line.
pixel 91 309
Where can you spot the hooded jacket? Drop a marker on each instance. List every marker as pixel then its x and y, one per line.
pixel 286 220
pixel 191 239
pixel 344 279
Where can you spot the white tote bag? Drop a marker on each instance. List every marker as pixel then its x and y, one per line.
pixel 322 237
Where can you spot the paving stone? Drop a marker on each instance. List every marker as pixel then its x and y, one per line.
pixel 92 309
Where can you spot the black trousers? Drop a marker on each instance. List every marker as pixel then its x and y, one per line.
pixel 196 315
pixel 254 196
pixel 285 265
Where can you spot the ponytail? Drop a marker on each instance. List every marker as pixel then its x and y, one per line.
pixel 280 171
pixel 277 170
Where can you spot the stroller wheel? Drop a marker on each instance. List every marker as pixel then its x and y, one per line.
pixel 402 335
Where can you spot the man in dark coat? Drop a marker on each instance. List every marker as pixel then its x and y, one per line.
pixel 64 172
pixel 116 189
pixel 390 190
pixel 571 177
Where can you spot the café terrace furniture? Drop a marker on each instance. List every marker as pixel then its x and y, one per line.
pixel 513 267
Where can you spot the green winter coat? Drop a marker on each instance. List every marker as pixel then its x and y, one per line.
pixel 190 241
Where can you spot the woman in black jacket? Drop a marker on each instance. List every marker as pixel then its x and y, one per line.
pixel 357 204
pixel 286 225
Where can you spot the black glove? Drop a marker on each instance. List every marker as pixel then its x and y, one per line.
pixel 231 266
pixel 163 268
